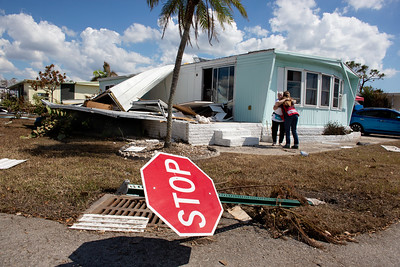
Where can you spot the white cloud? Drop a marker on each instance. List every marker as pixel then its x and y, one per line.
pixel 297 25
pixel 257 31
pixel 389 73
pixel 68 32
pixel 371 4
pixel 331 34
pixel 42 43
pixel 29 35
pixel 138 33
pixel 6 66
pixel 105 45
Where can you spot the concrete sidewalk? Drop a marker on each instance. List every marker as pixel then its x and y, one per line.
pixel 265 148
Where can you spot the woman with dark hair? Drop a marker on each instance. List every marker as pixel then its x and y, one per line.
pixel 291 117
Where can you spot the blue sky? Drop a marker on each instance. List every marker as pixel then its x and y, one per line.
pixel 78 36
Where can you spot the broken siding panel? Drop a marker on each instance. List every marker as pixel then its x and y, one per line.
pixel 137 86
pixel 252 78
pixel 160 91
pixel 189 84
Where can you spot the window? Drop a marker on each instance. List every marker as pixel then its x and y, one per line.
pixel 44 96
pixel 221 90
pixel 325 90
pixel 312 89
pixel 294 84
pixel 336 91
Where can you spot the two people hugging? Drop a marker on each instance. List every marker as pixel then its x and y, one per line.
pixel 285 117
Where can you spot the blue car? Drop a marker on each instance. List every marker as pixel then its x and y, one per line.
pixel 376 120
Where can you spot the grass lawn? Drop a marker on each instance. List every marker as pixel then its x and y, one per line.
pixel 60 180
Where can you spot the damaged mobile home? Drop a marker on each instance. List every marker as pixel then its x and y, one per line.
pixel 239 92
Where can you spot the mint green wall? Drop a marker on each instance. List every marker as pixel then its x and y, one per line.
pixel 258 79
pixel 252 80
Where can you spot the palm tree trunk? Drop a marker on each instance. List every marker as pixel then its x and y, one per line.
pixel 178 62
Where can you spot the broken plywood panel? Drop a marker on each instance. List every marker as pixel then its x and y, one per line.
pixel 92 104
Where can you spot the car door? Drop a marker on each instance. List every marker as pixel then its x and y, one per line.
pixel 369 120
pixel 390 122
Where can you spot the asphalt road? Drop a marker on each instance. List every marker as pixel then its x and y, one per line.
pixel 39 242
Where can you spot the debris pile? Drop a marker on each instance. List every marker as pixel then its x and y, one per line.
pixel 282 221
pixel 147 148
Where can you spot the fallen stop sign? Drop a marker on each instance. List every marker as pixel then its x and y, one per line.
pixel 181 194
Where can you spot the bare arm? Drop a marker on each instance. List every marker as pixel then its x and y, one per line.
pixel 278 103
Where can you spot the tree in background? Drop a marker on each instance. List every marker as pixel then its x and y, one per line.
pixel 372 97
pixel 49 80
pixel 375 98
pixel 199 14
pixel 106 72
pixel 365 74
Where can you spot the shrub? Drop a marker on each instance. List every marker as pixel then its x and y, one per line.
pixel 56 124
pixel 335 128
pixel 38 107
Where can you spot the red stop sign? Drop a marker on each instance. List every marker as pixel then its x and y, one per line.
pixel 181 194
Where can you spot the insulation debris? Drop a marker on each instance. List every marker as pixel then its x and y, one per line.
pixel 391 148
pixel 134 149
pixel 239 214
pixel 6 163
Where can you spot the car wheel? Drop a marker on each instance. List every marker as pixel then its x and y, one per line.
pixel 356 127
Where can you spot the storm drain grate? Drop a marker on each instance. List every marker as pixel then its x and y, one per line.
pixel 125 206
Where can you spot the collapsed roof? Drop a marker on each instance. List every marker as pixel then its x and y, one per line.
pixel 132 89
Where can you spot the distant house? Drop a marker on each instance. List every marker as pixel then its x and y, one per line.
pixel 67 91
pixel 394 100
pixel 107 83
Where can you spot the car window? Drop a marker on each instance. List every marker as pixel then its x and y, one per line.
pixel 394 115
pixel 384 114
pixel 370 113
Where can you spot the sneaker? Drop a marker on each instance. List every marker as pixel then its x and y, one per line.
pixel 286 146
pixel 295 147
pixel 273 144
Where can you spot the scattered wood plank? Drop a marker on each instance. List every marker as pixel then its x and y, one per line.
pixel 115 223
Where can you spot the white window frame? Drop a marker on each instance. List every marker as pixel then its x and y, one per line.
pixel 330 93
pixel 318 89
pixel 340 93
pixel 301 83
pixel 303 89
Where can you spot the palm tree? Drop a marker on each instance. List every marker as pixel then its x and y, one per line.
pixel 106 72
pixel 197 14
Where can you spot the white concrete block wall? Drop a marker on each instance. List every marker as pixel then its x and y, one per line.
pixel 203 134
pixel 157 129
